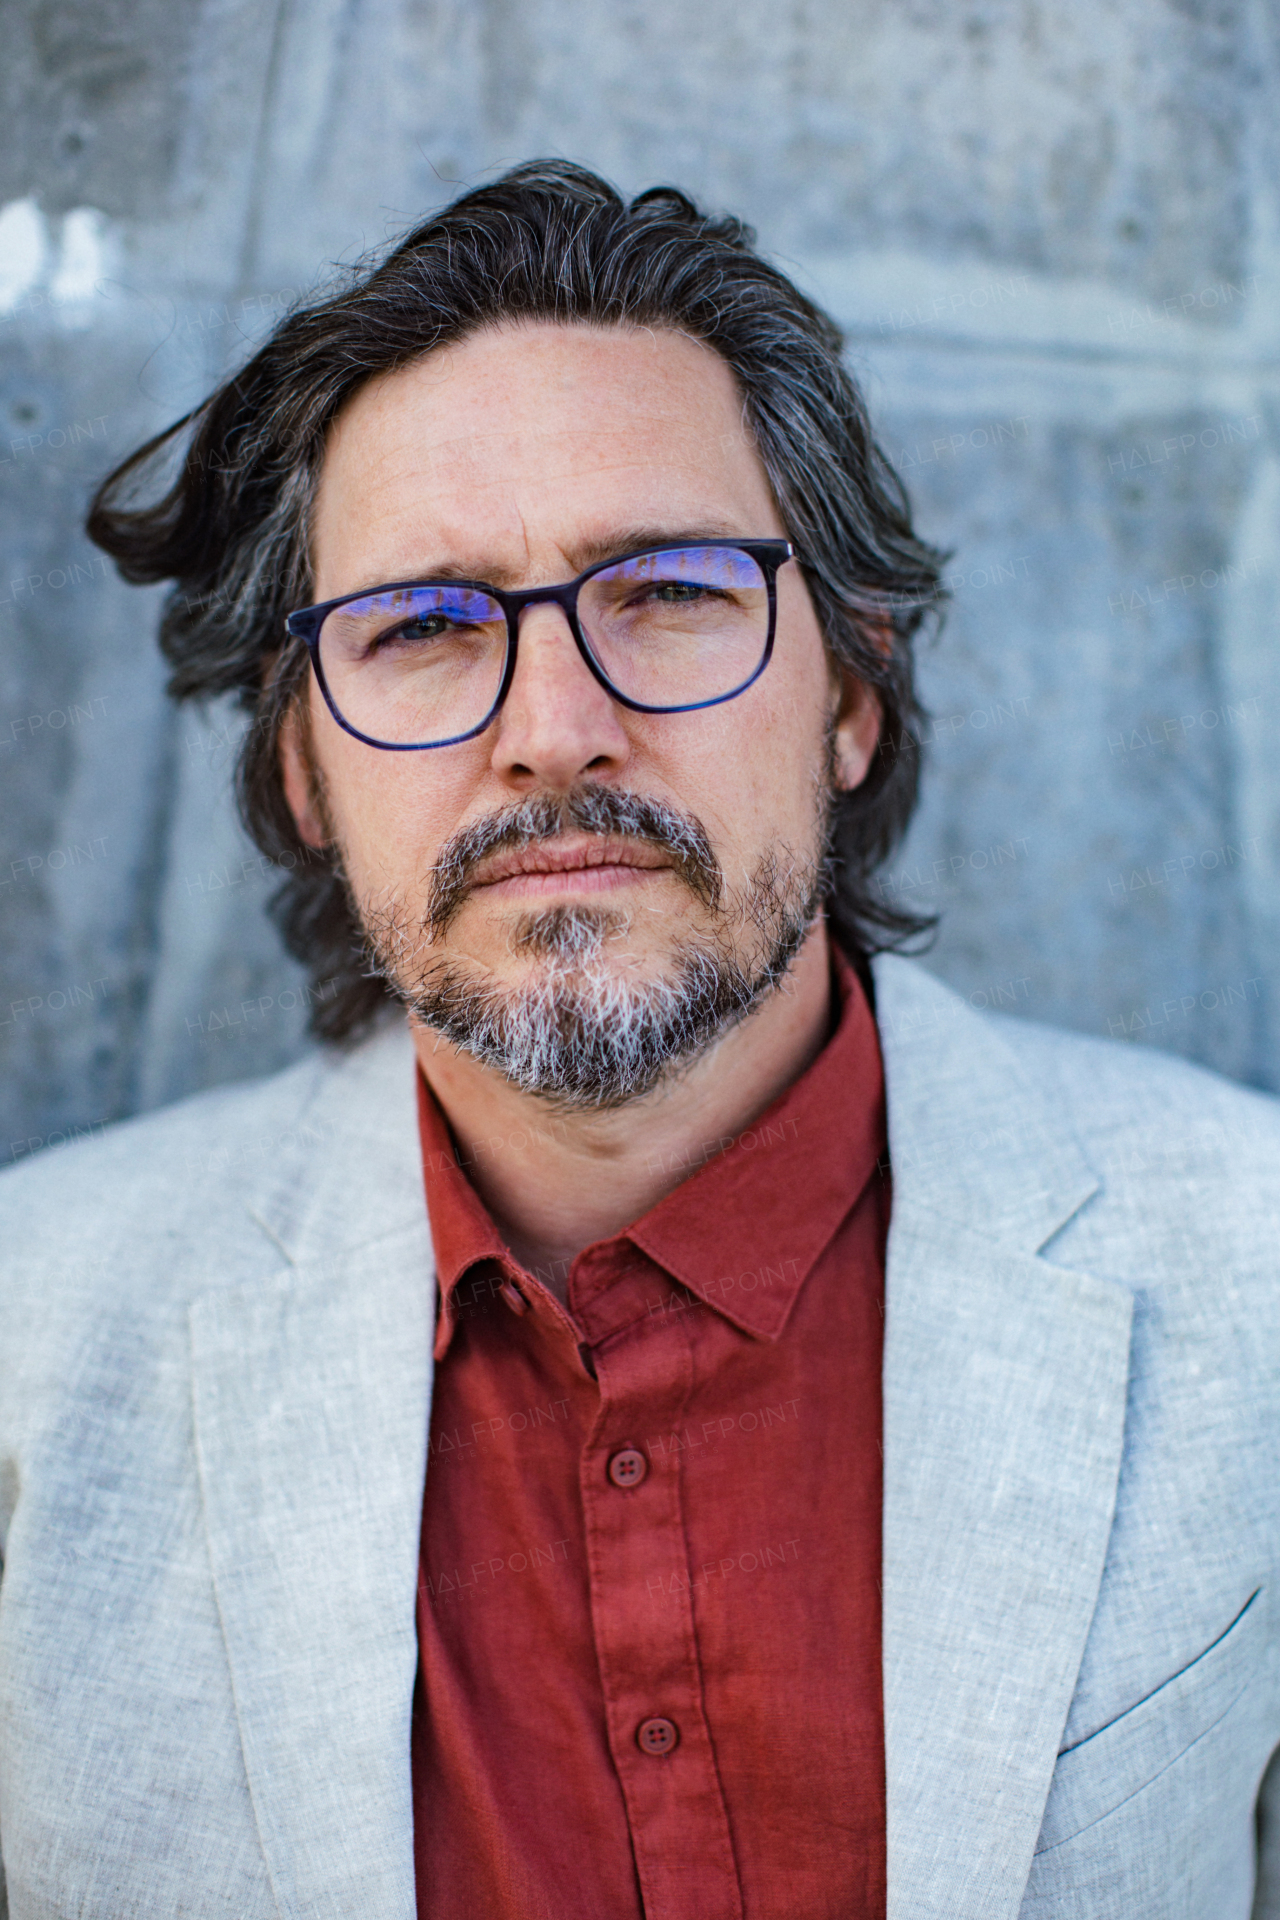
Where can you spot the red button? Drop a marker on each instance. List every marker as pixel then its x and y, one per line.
pixel 628 1467
pixel 657 1736
pixel 513 1297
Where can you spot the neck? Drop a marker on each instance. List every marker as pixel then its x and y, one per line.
pixel 554 1183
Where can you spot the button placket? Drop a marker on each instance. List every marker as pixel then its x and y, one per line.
pixel 645 1636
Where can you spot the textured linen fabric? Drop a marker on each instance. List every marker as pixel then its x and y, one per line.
pixel 732 1338
pixel 210 1482
pixel 215 1368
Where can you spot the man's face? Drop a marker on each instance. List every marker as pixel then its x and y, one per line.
pixel 576 862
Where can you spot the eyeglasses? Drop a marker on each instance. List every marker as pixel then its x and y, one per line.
pixel 426 663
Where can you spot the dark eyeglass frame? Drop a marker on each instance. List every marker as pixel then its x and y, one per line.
pixel 305 624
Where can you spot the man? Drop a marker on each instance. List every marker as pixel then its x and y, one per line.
pixel 849 1479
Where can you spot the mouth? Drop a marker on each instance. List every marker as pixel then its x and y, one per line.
pixel 574 864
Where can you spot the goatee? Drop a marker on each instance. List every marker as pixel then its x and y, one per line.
pixel 582 1033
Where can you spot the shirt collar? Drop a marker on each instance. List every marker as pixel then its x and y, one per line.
pixel 743 1230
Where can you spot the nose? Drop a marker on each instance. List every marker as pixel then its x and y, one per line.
pixel 557 724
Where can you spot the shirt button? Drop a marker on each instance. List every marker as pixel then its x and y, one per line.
pixel 657 1736
pixel 628 1467
pixel 513 1297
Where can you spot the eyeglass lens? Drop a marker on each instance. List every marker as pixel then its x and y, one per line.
pixel 425 663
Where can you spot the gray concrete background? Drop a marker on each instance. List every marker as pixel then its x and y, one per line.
pixel 1053 234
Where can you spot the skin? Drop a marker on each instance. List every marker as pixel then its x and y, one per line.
pixel 519 457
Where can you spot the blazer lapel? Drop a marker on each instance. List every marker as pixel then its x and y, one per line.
pixel 1005 1380
pixel 311 1400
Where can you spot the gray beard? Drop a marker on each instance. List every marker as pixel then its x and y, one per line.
pixel 580 1034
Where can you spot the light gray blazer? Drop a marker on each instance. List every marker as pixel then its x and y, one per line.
pixel 214 1382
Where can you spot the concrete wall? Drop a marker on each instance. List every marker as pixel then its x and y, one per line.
pixel 1053 235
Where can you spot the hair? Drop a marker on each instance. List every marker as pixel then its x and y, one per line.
pixel 549 241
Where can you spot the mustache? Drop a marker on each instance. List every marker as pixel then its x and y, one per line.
pixel 604 811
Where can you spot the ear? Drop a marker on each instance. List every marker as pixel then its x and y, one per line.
pixel 857 730
pixel 299 780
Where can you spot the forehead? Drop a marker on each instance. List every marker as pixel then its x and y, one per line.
pixel 522 447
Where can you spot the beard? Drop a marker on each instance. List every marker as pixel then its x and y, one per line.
pixel 585 1031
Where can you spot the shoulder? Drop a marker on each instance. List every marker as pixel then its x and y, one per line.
pixel 1187 1163
pixel 1108 1086
pixel 1115 1085
pixel 159 1169
pixel 109 1244
pixel 169 1194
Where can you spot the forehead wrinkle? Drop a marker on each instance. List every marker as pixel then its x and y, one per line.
pixel 489 455
pixel 408 505
pixel 378 438
pixel 396 471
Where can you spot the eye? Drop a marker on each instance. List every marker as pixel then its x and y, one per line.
pixel 422 629
pixel 423 626
pixel 674 591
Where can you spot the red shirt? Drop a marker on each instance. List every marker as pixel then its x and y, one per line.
pixel 648 1601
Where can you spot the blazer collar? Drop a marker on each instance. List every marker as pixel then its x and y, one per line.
pixel 344 1166
pixel 1005 1381
pixel 972 1135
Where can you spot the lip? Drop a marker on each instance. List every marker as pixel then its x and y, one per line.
pixel 571 865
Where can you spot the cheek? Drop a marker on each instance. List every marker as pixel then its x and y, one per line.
pixel 749 769
pixel 392 812
pixel 783 725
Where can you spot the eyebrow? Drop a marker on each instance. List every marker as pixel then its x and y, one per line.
pixel 587 553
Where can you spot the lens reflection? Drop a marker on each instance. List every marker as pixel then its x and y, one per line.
pixel 417 665
pixel 678 628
